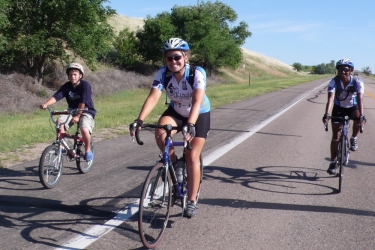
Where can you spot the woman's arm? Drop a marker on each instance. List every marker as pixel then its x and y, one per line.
pixel 197 100
pixel 150 103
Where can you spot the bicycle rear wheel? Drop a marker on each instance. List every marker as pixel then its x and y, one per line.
pixel 343 157
pixel 84 166
pixel 50 166
pixel 154 206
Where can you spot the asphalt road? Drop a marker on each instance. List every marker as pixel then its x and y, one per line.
pixel 265 186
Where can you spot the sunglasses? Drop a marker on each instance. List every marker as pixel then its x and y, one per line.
pixel 344 70
pixel 171 58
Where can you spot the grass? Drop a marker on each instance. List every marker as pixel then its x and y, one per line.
pixel 222 94
pixel 118 110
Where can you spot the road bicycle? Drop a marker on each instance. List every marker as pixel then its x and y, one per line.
pixel 343 149
pixel 161 189
pixel 69 145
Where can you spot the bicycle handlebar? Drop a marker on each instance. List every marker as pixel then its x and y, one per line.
pixel 63 112
pixel 167 127
pixel 346 119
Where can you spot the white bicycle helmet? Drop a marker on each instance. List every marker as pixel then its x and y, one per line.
pixel 75 66
pixel 345 62
pixel 175 44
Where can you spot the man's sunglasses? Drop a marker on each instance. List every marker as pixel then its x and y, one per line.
pixel 171 58
pixel 344 70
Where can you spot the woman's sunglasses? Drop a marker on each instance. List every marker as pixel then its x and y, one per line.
pixel 171 58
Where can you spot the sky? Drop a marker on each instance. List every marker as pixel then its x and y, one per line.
pixel 307 32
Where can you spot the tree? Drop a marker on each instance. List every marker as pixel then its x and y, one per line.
pixel 155 31
pixel 325 68
pixel 42 32
pixel 127 46
pixel 206 27
pixel 297 66
pixel 366 71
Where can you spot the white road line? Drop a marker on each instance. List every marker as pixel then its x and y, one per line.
pixel 252 130
pixel 94 233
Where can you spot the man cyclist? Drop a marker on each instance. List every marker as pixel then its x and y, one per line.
pixel 78 95
pixel 189 106
pixel 346 94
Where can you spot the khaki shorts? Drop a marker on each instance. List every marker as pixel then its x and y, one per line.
pixel 85 121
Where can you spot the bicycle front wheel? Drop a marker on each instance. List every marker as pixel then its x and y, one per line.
pixel 201 178
pixel 154 206
pixel 50 166
pixel 343 157
pixel 84 166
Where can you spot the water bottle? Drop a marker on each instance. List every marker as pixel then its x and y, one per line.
pixel 180 164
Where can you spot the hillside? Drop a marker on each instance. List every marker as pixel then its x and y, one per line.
pixel 20 93
pixel 17 88
pixel 255 63
pixel 119 22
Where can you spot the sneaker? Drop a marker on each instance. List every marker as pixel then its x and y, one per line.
pixel 190 209
pixel 332 168
pixel 353 144
pixel 89 156
pixel 63 151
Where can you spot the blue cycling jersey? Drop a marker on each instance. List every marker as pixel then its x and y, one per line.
pixel 347 99
pixel 181 93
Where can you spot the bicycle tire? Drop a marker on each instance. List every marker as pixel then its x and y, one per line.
pixel 50 166
pixel 154 206
pixel 201 178
pixel 342 150
pixel 84 166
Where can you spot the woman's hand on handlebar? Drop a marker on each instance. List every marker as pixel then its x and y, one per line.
pixel 326 118
pixel 188 132
pixel 137 124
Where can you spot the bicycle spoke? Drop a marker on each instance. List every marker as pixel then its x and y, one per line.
pixel 154 206
pixel 50 166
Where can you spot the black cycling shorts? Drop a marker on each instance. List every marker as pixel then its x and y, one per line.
pixel 341 112
pixel 202 125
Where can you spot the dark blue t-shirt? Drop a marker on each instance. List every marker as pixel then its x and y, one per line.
pixel 76 95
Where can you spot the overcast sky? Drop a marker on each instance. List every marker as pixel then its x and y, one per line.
pixel 308 32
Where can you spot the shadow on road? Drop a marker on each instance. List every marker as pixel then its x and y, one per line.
pixel 276 179
pixel 242 204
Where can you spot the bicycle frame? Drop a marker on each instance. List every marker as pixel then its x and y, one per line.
pixel 343 151
pixel 51 160
pixel 177 186
pixel 168 143
pixel 60 136
pixel 155 204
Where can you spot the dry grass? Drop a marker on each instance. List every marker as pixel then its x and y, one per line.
pixel 119 22
pixel 20 93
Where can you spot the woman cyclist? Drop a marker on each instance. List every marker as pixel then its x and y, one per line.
pixel 189 106
pixel 346 94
